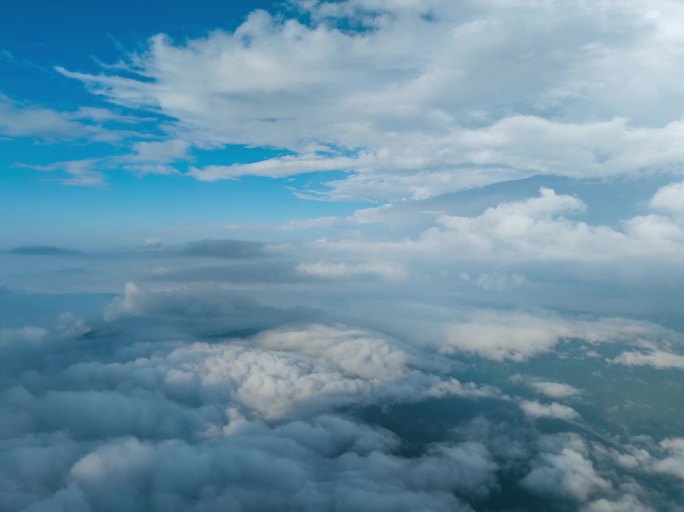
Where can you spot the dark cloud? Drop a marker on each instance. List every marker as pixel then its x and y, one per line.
pixel 265 271
pixel 323 464
pixel 43 250
pixel 230 249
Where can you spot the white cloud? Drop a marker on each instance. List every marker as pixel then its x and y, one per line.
pixel 274 168
pixel 427 98
pixel 548 388
pixel 147 157
pixel 670 198
pixel 199 399
pixel 536 410
pixel 79 172
pixel 538 229
pixel 356 352
pixel 673 463
pixel 554 389
pixel 153 157
pixel 346 270
pixel 563 469
pixel 656 359
pixel 149 412
pixel 271 384
pixel 194 398
pixel 517 336
pixel 17 121
pixel 529 236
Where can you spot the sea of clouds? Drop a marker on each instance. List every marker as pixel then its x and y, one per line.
pixel 324 391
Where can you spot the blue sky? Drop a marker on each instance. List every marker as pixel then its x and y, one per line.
pixel 129 208
pixel 60 37
pixel 164 121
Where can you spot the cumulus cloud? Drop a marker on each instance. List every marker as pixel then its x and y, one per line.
pixel 517 244
pixel 564 469
pixel 645 455
pixel 536 410
pixel 272 383
pixel 416 100
pixel 195 397
pixel 656 359
pixel 517 336
pixel 670 198
pixel 539 229
pixel 520 244
pixel 673 462
pixel 354 351
pixel 314 465
pixel 548 388
pixel 627 503
pixel 153 405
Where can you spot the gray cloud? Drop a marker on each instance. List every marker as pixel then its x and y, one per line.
pixel 195 397
pixel 43 250
pixel 627 503
pixel 223 249
pixel 262 468
pixel 142 408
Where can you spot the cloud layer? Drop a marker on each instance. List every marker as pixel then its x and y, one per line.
pixel 418 99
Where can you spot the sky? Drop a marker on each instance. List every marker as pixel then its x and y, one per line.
pixel 341 255
pixel 42 128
